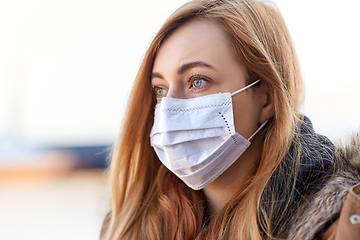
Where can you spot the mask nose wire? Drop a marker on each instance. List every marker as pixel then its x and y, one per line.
pixel 244 88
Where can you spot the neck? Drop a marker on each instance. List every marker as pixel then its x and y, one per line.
pixel 233 180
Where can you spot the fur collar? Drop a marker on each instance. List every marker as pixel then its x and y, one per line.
pixel 325 206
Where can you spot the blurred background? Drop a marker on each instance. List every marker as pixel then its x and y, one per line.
pixel 66 68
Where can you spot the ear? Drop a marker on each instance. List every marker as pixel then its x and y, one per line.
pixel 266 102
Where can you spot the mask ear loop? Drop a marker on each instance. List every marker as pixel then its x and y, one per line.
pixel 262 125
pixel 244 88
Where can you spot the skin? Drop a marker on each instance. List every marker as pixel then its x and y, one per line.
pixel 196 60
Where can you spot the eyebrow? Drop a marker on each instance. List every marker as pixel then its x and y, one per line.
pixel 190 65
pixel 183 68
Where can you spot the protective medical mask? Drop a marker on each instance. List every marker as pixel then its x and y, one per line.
pixel 195 138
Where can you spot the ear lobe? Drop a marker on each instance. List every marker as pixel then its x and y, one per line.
pixel 267 101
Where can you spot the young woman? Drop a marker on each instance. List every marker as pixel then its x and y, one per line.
pixel 213 145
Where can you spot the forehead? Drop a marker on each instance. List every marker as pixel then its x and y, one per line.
pixel 197 40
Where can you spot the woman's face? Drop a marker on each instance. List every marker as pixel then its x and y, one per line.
pixel 196 60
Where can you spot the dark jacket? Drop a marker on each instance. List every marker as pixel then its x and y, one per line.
pixel 327 204
pixel 334 211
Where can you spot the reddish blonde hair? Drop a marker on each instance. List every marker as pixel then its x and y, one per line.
pixel 148 201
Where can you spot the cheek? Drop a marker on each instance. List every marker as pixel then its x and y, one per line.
pixel 246 115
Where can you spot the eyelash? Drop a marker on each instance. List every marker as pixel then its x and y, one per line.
pixel 154 89
pixel 197 77
pixel 191 84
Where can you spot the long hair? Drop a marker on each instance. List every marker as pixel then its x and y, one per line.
pixel 148 201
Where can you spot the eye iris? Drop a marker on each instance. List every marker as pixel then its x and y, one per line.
pixel 159 92
pixel 197 83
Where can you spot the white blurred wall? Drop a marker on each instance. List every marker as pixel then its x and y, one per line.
pixel 327 39
pixel 66 66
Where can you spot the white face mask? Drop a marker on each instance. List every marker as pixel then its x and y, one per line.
pixel 195 138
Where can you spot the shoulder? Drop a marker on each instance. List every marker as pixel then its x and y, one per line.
pixel 328 212
pixel 348 224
